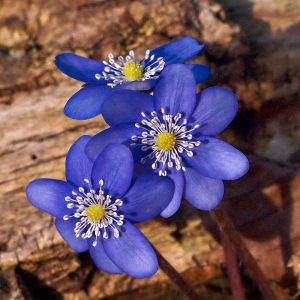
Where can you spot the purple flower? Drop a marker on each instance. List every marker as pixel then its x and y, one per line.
pixel 96 207
pixel 123 73
pixel 172 133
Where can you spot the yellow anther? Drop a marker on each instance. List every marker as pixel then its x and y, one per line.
pixel 133 71
pixel 165 141
pixel 95 213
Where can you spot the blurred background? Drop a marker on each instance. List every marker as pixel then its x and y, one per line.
pixel 252 47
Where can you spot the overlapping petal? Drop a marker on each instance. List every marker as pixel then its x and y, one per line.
pixel 126 106
pixel 78 165
pixel 137 85
pixel 217 159
pixel 66 230
pixel 147 197
pixel 49 195
pixel 87 102
pixel 79 67
pixel 174 204
pixel 179 50
pixel 121 134
pixel 132 252
pixel 176 90
pixel 216 108
pixel 101 259
pixel 202 192
pixel 200 72
pixel 115 167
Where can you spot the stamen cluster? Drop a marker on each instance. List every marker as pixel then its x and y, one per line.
pixel 97 224
pixel 115 71
pixel 179 138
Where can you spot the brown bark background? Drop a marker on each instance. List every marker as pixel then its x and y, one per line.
pixel 253 47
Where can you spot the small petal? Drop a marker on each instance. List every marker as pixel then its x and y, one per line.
pixel 121 134
pixel 217 159
pixel 49 195
pixel 100 258
pixel 115 167
pixel 176 90
pixel 79 67
pixel 78 165
pixel 202 192
pixel 87 102
pixel 132 252
pixel 200 72
pixel 147 197
pixel 126 106
pixel 66 230
pixel 178 51
pixel 215 110
pixel 174 204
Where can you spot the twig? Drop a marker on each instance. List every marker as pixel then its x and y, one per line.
pixel 296 296
pixel 226 226
pixel 232 267
pixel 169 270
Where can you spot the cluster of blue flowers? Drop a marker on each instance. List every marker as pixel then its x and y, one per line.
pixel 159 148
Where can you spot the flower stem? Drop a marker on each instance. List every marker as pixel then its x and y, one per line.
pixel 169 270
pixel 232 267
pixel 227 228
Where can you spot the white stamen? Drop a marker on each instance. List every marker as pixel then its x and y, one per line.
pixel 154 124
pixel 86 228
pixel 113 72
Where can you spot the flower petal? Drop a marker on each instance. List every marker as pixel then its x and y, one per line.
pixel 78 165
pixel 100 258
pixel 49 195
pixel 215 110
pixel 178 51
pixel 132 252
pixel 87 102
pixel 174 204
pixel 176 90
pixel 200 72
pixel 126 106
pixel 121 134
pixel 66 230
pixel 137 85
pixel 147 197
pixel 202 192
pixel 217 159
pixel 115 167
pixel 79 67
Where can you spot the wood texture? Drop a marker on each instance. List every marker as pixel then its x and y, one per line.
pixel 252 47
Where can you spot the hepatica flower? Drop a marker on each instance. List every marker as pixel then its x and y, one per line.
pixel 173 133
pixel 102 78
pixel 98 204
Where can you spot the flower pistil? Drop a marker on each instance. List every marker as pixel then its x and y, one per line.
pixel 95 212
pixel 130 69
pixel 166 136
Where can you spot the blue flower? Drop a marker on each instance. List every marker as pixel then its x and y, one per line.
pixel 172 133
pixel 96 208
pixel 123 73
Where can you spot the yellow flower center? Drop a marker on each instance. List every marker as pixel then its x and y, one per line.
pixel 95 213
pixel 165 141
pixel 133 71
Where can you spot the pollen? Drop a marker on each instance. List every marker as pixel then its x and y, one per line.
pixel 95 213
pixel 165 141
pixel 133 71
